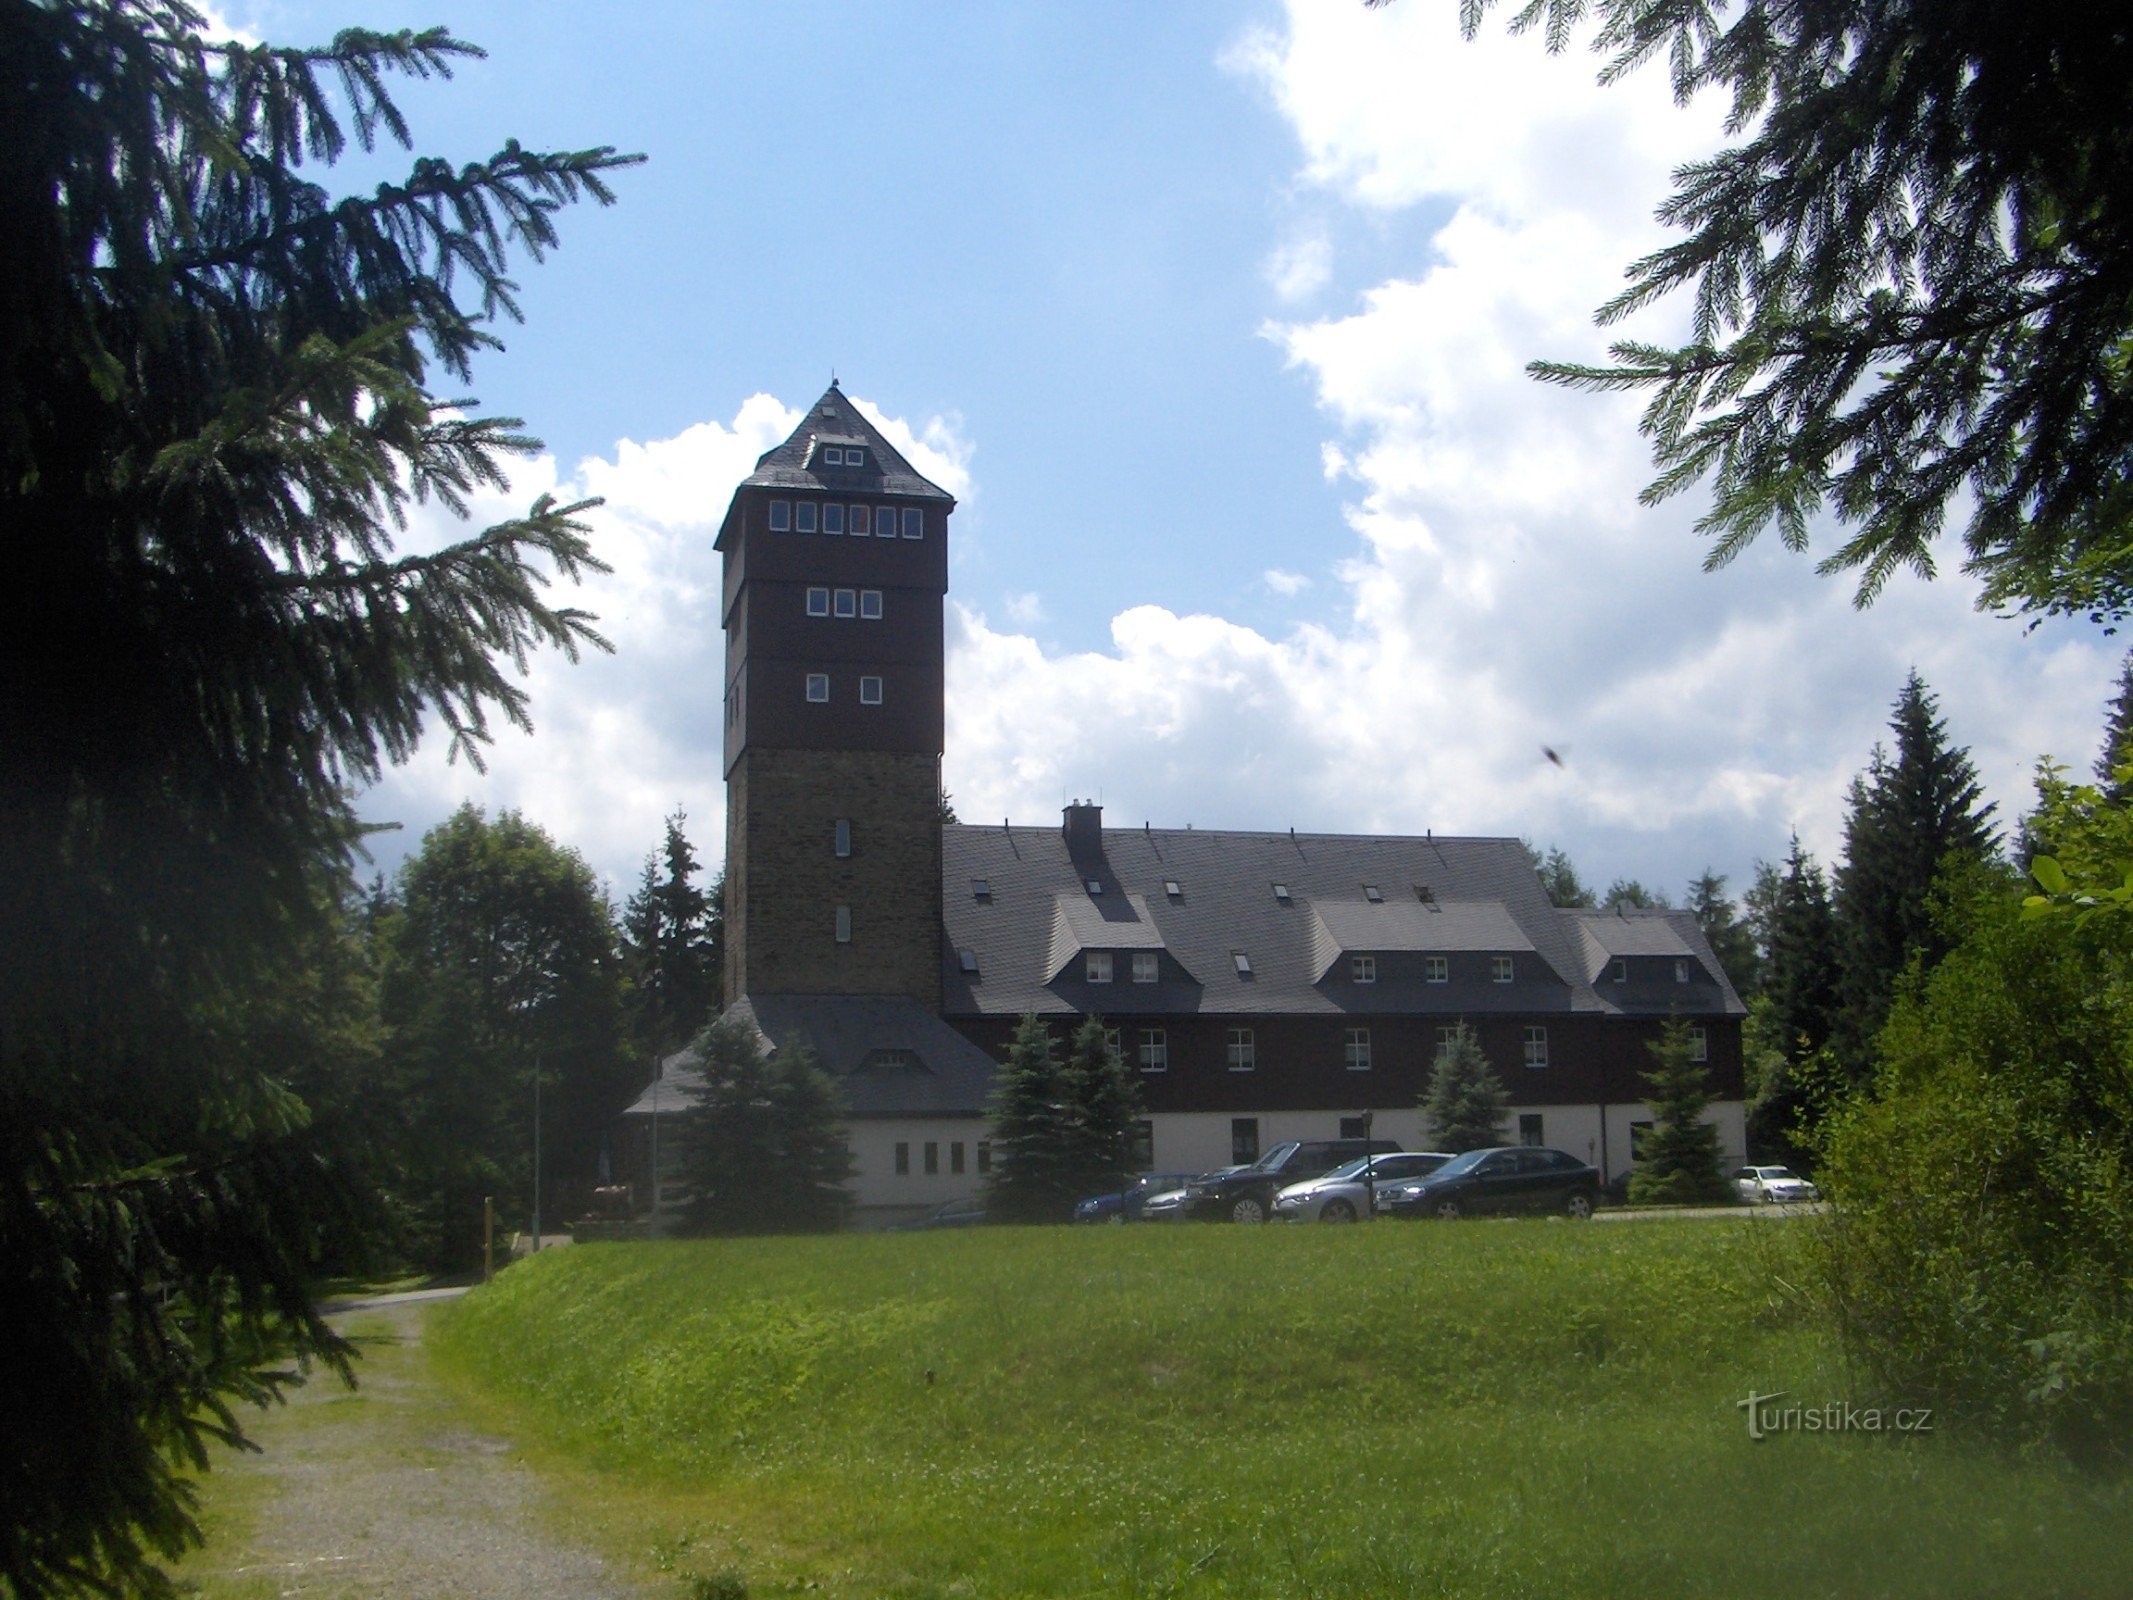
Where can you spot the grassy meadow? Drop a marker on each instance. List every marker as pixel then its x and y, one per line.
pixel 1502 1409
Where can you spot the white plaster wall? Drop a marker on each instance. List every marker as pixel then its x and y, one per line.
pixel 876 1181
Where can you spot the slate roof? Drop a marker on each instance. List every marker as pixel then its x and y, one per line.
pixel 835 420
pixel 1483 898
pixel 933 1071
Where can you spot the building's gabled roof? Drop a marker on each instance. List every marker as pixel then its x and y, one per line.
pixel 891 1057
pixel 1456 896
pixel 1651 985
pixel 833 419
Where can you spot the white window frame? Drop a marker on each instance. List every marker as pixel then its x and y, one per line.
pixel 1145 966
pixel 1619 972
pixel 869 605
pixel 818 601
pixel 1445 1037
pixel 855 455
pixel 914 520
pixel 1155 1050
pixel 833 513
pixel 1096 966
pixel 1536 1045
pixel 804 519
pixel 1355 1049
pixel 1363 969
pixel 781 516
pixel 1436 969
pixel 870 691
pixel 818 688
pixel 833 455
pixel 1243 1050
pixel 1681 969
pixel 885 522
pixel 844 604
pixel 1500 969
pixel 1699 1042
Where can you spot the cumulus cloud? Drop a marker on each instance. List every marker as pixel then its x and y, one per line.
pixel 1284 583
pixel 1300 268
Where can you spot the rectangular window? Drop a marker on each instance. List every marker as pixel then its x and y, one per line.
pixel 1355 1049
pixel 847 604
pixel 1446 1038
pixel 903 1160
pixel 854 456
pixel 1144 966
pixel 859 522
pixel 818 602
pixel 843 833
pixel 955 1156
pixel 1536 1046
pixel 981 889
pixel 1436 969
pixel 1155 1050
pixel 1243 1050
pixel 984 1157
pixel 1097 968
pixel 1243 1139
pixel 914 523
pixel 818 688
pixel 967 959
pixel 1173 888
pixel 1699 1043
pixel 844 924
pixel 933 1158
pixel 869 605
pixel 1363 969
pixel 1111 1041
pixel 870 691
pixel 1500 968
pixel 833 519
pixel 1373 894
pixel 1243 958
pixel 1281 893
pixel 1619 972
pixel 833 455
pixel 885 522
pixel 1142 1154
pixel 780 516
pixel 1681 972
pixel 1529 1128
pixel 803 517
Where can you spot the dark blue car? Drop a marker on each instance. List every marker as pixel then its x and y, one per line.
pixel 1108 1207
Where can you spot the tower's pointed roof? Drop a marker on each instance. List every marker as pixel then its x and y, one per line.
pixel 799 463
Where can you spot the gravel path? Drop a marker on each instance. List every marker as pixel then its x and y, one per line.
pixel 388 1492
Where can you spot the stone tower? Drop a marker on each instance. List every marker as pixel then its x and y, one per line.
pixel 836 571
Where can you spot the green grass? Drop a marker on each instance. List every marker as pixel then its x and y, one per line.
pixel 1498 1409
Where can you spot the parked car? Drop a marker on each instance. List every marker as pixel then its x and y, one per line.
pixel 1344 1194
pixel 1484 1182
pixel 965 1213
pixel 1127 1206
pixel 1246 1194
pixel 1170 1204
pixel 1774 1186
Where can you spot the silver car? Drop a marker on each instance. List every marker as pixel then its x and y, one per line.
pixel 1774 1186
pixel 1343 1194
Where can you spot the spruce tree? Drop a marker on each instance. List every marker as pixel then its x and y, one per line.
pixel 1678 1162
pixel 1800 986
pixel 1911 818
pixel 1730 939
pixel 1629 892
pixel 672 946
pixel 215 410
pixel 1106 1100
pixel 1559 878
pixel 1466 1103
pixel 2116 750
pixel 763 1148
pixel 1034 1126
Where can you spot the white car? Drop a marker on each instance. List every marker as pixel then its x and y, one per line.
pixel 1774 1186
pixel 1343 1194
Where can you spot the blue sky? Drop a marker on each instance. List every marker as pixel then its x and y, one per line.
pixel 1214 317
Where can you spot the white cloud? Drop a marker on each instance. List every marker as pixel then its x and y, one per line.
pixel 1300 268
pixel 1025 610
pixel 1284 583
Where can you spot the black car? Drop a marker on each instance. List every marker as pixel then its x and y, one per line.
pixel 1490 1182
pixel 1107 1207
pixel 1246 1194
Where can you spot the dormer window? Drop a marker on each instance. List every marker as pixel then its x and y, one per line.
pixel 1500 968
pixel 832 455
pixel 1373 894
pixel 1436 969
pixel 1363 969
pixel 1619 972
pixel 1144 966
pixel 854 456
pixel 1097 968
pixel 1681 971
pixel 1281 893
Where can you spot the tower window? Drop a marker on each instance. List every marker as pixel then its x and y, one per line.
pixel 1145 966
pixel 859 522
pixel 847 603
pixel 885 522
pixel 870 605
pixel 1097 968
pixel 803 517
pixel 1355 1049
pixel 818 602
pixel 870 691
pixel 780 516
pixel 843 837
pixel 844 924
pixel 1363 969
pixel 833 519
pixel 1436 969
pixel 914 523
pixel 818 688
pixel 1500 968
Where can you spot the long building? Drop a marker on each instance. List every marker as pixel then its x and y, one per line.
pixel 1266 986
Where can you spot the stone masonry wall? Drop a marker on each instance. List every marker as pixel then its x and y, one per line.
pixel 784 879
